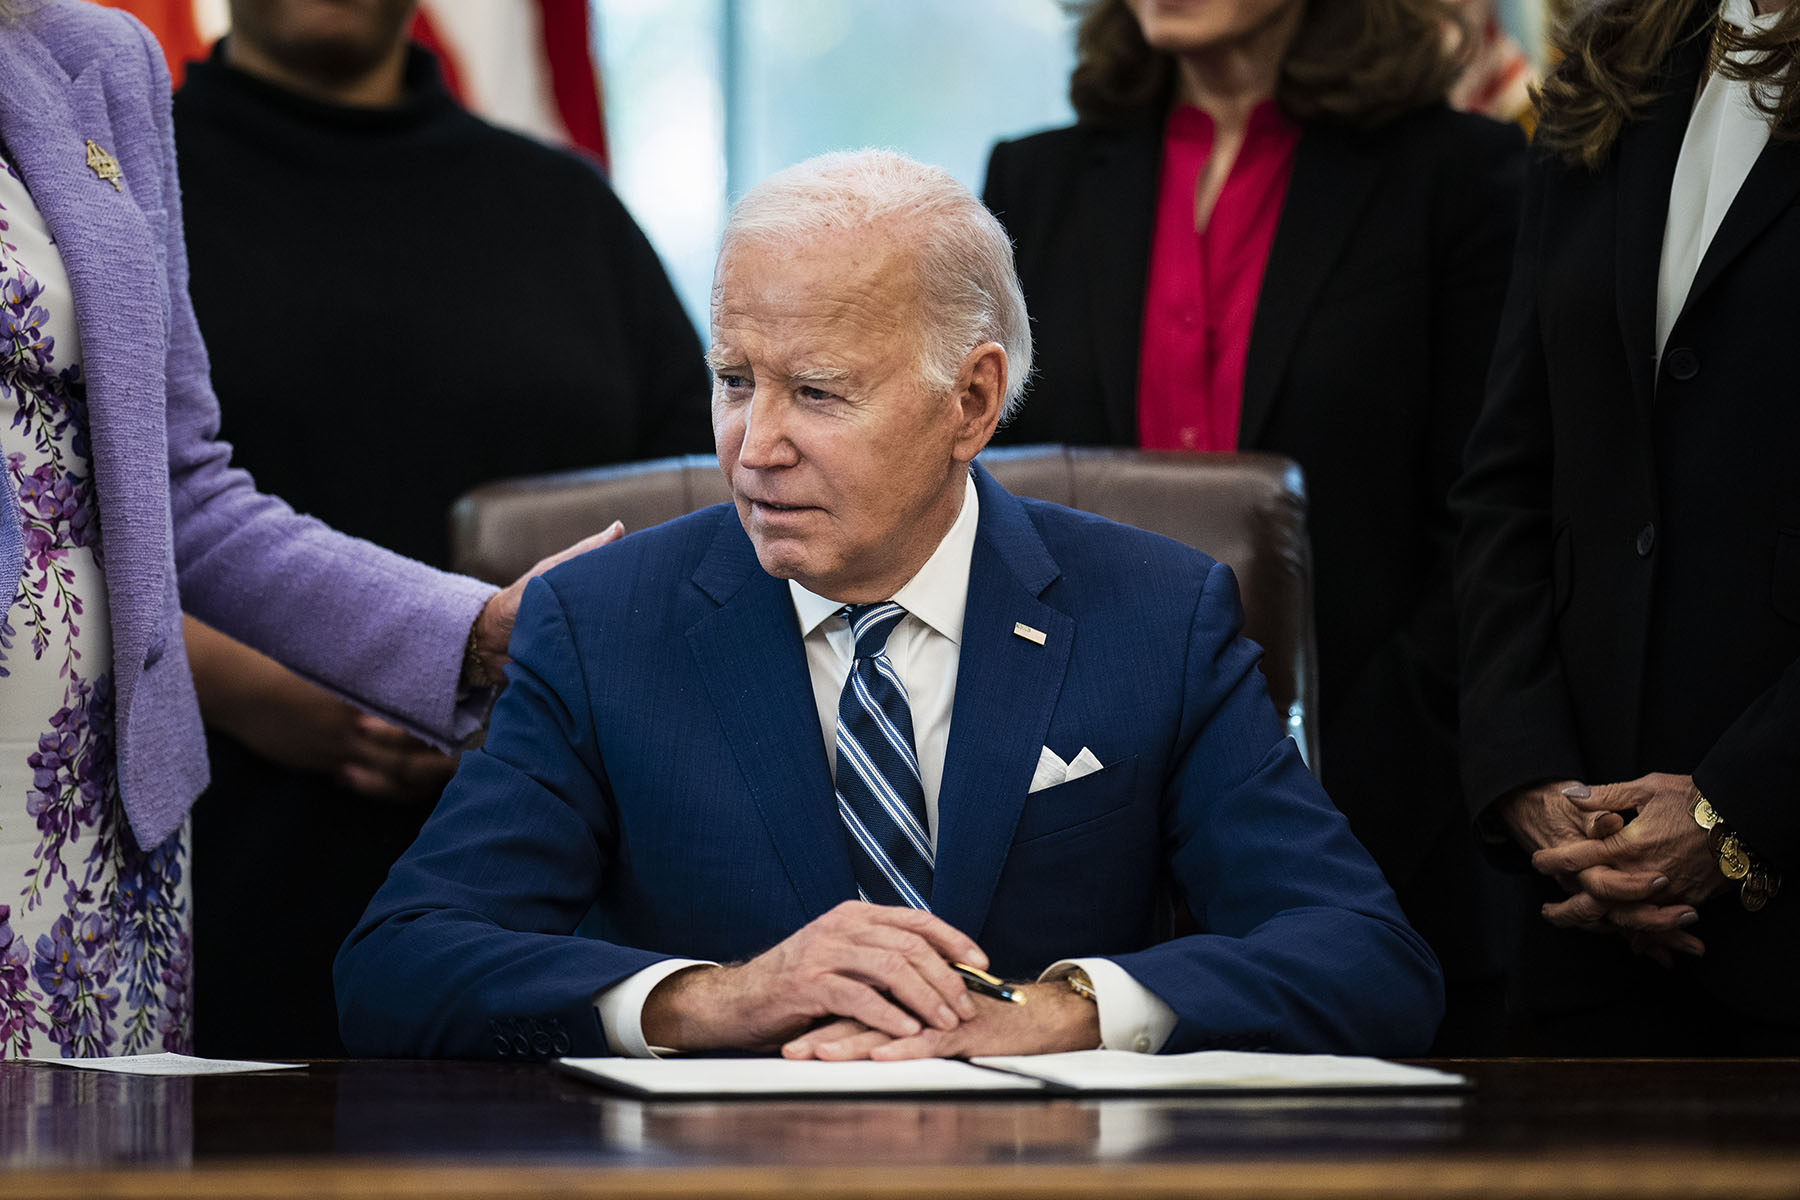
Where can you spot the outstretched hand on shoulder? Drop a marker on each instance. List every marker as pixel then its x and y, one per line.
pixel 492 634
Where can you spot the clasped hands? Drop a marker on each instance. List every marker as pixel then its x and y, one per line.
pixel 1639 877
pixel 863 981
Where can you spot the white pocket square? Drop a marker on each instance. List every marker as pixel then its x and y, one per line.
pixel 1052 770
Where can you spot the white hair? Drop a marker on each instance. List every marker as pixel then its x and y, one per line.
pixel 962 259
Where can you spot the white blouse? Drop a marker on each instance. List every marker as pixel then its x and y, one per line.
pixel 1725 134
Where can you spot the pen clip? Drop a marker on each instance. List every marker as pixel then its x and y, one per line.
pixel 978 973
pixel 984 984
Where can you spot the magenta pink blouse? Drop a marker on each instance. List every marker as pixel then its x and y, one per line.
pixel 1200 300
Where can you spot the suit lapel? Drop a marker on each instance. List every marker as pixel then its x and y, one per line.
pixel 749 654
pixel 1332 182
pixel 1118 202
pixel 1647 151
pixel 1768 190
pixel 109 253
pixel 1006 691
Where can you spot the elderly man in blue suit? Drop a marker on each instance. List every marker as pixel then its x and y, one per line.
pixel 878 717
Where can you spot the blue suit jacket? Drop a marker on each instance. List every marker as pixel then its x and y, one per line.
pixel 657 758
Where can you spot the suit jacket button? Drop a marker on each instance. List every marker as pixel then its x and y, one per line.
pixel 1682 364
pixel 1141 1043
pixel 1646 540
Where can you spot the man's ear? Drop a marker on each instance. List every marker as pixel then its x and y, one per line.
pixel 980 394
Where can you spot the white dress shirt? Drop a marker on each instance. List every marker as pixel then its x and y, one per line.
pixel 924 649
pixel 1725 134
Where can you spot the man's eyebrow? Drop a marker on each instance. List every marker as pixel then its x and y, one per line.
pixel 727 361
pixel 821 374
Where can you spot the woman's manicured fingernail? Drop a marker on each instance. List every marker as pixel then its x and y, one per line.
pixel 1659 883
pixel 1687 919
pixel 1577 791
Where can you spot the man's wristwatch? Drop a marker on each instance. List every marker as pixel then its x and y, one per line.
pixel 1081 985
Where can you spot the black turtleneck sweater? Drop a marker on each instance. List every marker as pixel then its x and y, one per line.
pixel 403 303
pixel 399 304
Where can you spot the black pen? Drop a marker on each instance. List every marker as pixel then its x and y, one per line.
pixel 982 983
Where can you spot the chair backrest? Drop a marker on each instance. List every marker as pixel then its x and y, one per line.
pixel 1246 510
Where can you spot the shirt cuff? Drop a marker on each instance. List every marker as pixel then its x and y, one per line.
pixel 621 1007
pixel 1132 1017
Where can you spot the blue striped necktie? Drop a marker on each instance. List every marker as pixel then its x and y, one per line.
pixel 879 793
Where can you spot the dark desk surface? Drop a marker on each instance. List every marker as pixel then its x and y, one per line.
pixel 1628 1129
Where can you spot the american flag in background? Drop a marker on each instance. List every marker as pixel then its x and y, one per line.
pixel 523 64
pixel 529 65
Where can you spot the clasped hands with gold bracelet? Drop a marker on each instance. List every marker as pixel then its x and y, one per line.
pixel 1642 878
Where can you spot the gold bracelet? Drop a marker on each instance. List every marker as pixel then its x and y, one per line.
pixel 1757 881
pixel 474 666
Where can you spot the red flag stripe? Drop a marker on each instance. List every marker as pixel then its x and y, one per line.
pixel 425 32
pixel 569 54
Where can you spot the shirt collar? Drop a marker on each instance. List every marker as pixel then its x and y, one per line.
pixel 1743 14
pixel 938 594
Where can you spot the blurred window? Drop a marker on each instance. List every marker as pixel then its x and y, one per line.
pixel 705 97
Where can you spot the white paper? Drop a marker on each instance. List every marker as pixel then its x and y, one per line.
pixel 172 1064
pixel 779 1076
pixel 1119 1070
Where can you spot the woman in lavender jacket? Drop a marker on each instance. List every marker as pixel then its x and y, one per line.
pixel 117 509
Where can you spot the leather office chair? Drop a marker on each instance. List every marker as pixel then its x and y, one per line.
pixel 1247 510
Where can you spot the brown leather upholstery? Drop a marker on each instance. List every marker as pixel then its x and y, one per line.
pixel 1248 510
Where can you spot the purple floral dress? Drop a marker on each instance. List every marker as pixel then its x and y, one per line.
pixel 94 931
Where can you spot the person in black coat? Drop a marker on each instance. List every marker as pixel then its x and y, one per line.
pixel 1629 568
pixel 1364 362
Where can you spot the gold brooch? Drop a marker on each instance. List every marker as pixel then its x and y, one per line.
pixel 104 166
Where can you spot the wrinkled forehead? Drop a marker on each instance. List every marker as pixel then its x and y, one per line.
pixel 818 289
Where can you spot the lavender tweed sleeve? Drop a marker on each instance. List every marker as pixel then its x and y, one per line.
pixel 382 630
pixel 181 527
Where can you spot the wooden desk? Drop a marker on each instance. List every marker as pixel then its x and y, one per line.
pixel 1635 1130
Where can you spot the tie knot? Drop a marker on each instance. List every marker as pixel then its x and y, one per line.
pixel 871 624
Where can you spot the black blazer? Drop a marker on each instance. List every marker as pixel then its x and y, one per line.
pixel 1365 365
pixel 1629 572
